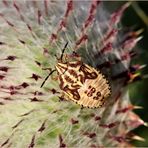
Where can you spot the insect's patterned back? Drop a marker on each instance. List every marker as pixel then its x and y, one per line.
pixel 82 84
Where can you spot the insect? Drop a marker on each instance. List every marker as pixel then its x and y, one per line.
pixel 81 83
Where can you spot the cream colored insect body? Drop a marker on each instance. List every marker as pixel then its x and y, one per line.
pixel 81 83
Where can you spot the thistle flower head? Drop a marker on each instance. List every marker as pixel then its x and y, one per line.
pixel 33 34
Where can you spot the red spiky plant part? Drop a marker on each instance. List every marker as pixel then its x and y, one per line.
pixel 33 34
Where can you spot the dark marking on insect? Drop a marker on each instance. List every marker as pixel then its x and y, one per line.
pixel 72 72
pixel 98 95
pixel 82 78
pixel 68 79
pixel 91 91
pixel 75 86
pixel 88 75
pixel 76 95
pixel 61 83
pixel 74 92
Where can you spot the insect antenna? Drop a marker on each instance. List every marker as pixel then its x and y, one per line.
pixel 47 78
pixel 63 50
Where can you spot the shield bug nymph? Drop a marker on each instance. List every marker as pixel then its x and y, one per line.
pixel 81 83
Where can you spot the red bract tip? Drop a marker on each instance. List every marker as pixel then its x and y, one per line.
pixel 73 121
pixel 69 7
pixel 29 27
pixel 37 93
pixel 25 114
pixel 34 99
pixel 35 77
pixel 53 37
pixel 46 7
pixel 31 145
pixel 116 16
pixel 24 85
pixel 16 6
pixel 9 23
pixel 62 145
pixel 91 14
pixel 38 63
pixel 97 118
pixel 39 16
pixel 13 92
pixel 42 128
pixel 2 77
pixel 7 98
pixel 111 125
pixel 92 135
pixel 119 139
pixel 126 109
pixel 94 5
pixel 5 2
pixel 4 69
pixel 2 15
pixel 83 38
pixel 45 50
pixel 21 41
pixel 3 144
pixel 134 120
pixel 89 21
pixel 62 24
pixel 108 47
pixel 53 91
pixel 110 36
pixel 11 58
pixel 130 43
pixel 125 56
pixel 17 124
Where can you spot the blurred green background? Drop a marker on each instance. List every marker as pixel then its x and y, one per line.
pixel 137 15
